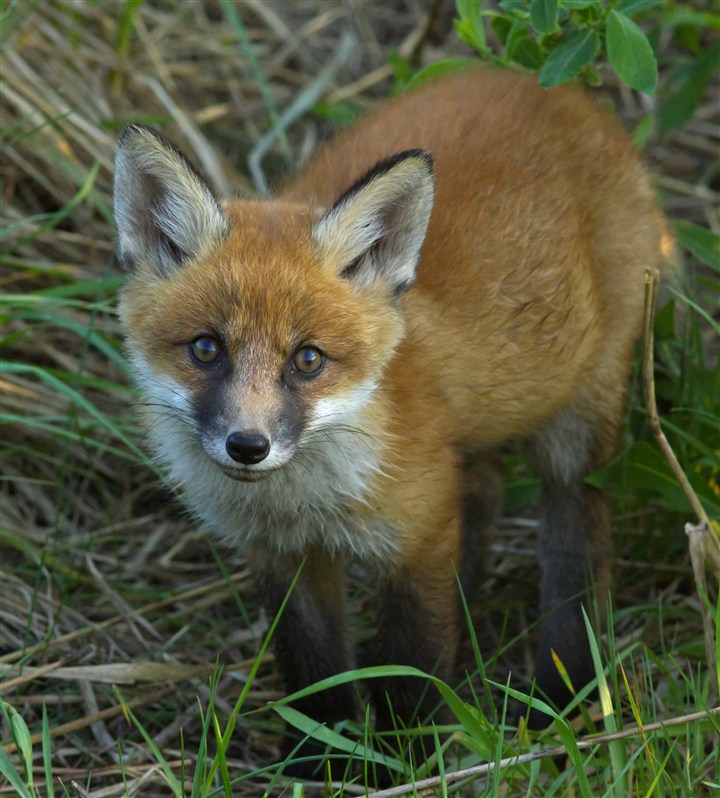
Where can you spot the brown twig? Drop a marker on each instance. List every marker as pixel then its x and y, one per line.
pixel 703 543
pixel 423 34
pixel 426 786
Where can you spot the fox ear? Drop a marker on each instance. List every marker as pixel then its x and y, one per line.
pixel 165 213
pixel 376 229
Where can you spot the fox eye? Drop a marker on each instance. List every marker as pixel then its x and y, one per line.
pixel 308 361
pixel 205 350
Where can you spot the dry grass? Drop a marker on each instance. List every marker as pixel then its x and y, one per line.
pixel 99 565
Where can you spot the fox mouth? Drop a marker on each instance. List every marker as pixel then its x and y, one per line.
pixel 246 474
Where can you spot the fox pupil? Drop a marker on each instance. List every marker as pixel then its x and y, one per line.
pixel 205 349
pixel 308 360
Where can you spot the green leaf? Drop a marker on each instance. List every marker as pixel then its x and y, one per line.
pixel 341 114
pixel 664 323
pixel 318 731
pixel 699 310
pixel 632 7
pixel 47 753
pixel 101 287
pixel 687 16
pixel 527 53
pixel 444 67
pixel 711 456
pixel 630 53
pixel 8 771
pixel 567 736
pixel 23 740
pixel 643 467
pixel 470 26
pixel 83 331
pixel 531 701
pixel 126 26
pixel 502 27
pixel 643 131
pixel 616 747
pixel 73 396
pixel 224 773
pixel 701 242
pixel 475 726
pixel 51 220
pixel 544 15
pixel 689 83
pixel 467 8
pixel 517 7
pixel 717 646
pixel 522 48
pixel 520 492
pixel 568 59
pixel 152 745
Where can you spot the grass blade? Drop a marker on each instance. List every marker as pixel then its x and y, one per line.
pixel 47 754
pixel 173 783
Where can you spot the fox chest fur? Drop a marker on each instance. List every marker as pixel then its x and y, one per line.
pixel 461 268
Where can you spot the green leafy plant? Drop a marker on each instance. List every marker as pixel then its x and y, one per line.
pixel 567 39
pixel 24 782
pixel 562 38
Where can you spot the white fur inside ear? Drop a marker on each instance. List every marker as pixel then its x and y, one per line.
pixel 376 230
pixel 164 211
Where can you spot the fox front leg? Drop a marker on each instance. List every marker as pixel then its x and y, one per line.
pixel 310 643
pixel 418 626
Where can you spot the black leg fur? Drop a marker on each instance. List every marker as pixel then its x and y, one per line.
pixel 404 638
pixel 310 644
pixel 574 550
pixel 482 504
pixel 409 633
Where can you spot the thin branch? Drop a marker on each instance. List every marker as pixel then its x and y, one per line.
pixel 702 540
pixel 651 283
pixel 424 786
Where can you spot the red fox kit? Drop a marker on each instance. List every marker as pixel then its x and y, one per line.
pixel 325 374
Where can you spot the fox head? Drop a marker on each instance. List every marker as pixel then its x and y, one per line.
pixel 256 328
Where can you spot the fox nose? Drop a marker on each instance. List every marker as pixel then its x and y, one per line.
pixel 247 447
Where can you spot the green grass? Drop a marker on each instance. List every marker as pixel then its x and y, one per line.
pixel 100 566
pixel 644 757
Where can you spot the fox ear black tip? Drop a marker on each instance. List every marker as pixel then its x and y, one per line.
pixel 426 155
pixel 129 130
pixel 418 152
pixel 135 129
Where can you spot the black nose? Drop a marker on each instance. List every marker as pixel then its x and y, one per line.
pixel 247 447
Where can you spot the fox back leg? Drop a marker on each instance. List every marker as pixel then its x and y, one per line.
pixel 574 544
pixel 482 489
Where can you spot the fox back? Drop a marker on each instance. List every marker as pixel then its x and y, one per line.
pixel 327 375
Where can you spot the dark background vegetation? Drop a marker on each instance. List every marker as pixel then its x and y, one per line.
pixel 116 609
